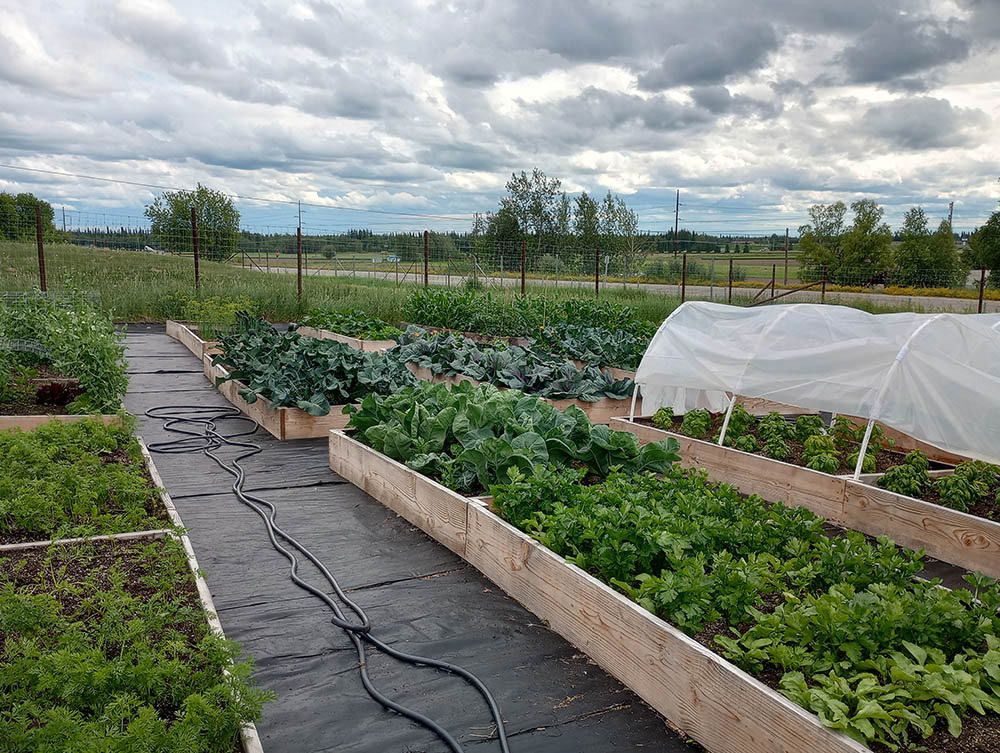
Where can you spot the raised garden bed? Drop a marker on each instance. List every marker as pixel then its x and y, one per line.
pixel 599 412
pixel 187 334
pixel 701 693
pixel 281 423
pixel 157 582
pixel 961 539
pixel 75 479
pixel 371 346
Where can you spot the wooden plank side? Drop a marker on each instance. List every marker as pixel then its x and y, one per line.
pixel 29 423
pixel 370 346
pixel 436 510
pixel 956 537
pixel 705 696
pixel 248 733
pixel 184 334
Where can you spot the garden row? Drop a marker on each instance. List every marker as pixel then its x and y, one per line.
pixel 298 386
pixel 729 614
pixel 110 636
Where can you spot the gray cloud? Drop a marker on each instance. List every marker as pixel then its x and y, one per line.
pixel 739 48
pixel 922 123
pixel 900 50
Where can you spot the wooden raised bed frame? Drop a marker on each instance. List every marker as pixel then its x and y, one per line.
pixel 968 541
pixel 281 423
pixel 188 336
pixel 28 423
pixel 369 346
pixel 702 694
pixel 249 737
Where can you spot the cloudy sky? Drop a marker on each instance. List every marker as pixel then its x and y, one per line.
pixel 755 109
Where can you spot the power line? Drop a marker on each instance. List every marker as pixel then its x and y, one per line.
pixel 236 196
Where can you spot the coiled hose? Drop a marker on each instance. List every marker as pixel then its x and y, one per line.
pixel 184 420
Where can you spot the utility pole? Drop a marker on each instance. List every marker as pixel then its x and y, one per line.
pixel 677 211
pixel 64 220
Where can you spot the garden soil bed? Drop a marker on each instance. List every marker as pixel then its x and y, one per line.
pixel 884 459
pixel 368 346
pixel 46 391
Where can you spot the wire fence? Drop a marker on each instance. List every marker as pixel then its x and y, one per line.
pixel 748 270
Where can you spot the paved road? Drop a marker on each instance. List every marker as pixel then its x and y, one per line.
pixel 694 292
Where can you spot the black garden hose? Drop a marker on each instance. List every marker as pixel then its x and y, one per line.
pixel 209 439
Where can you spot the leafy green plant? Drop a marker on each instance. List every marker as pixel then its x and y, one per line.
pixel 531 371
pixel 107 648
pixel 868 465
pixel 74 479
pixel 303 372
pixel 853 637
pixel 909 478
pixel 971 482
pixel 664 418
pixel 470 437
pixel 352 323
pixel 820 454
pixel 83 341
pixel 593 345
pixel 216 315
pixel 808 426
pixel 775 433
pixel 696 423
pixel 746 443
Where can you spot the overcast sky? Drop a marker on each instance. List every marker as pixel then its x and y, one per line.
pixel 755 109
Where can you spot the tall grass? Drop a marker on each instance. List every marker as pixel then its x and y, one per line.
pixel 136 286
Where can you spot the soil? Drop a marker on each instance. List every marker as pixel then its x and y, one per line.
pixel 33 569
pixel 154 508
pixel 46 392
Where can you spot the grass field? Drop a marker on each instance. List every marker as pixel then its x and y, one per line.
pixel 137 286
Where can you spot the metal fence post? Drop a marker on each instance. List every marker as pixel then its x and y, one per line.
pixel 194 241
pixel 41 248
pixel 522 266
pixel 597 270
pixel 427 277
pixel 557 270
pixel 730 300
pixel 822 295
pixel 711 283
pixel 982 281
pixel 298 257
pixel 774 271
pixel 684 274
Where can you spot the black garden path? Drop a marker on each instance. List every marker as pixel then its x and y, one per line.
pixel 420 597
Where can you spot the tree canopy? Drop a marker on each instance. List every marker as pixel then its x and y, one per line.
pixel 218 222
pixel 17 217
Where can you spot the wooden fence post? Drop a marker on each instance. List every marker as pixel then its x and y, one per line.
pixel 427 274
pixel 522 266
pixel 730 300
pixel 41 249
pixel 298 257
pixel 982 282
pixel 822 295
pixel 684 274
pixel 597 271
pixel 194 242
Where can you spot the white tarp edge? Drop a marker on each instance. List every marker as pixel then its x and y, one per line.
pixel 935 377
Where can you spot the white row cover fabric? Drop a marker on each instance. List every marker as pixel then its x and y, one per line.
pixel 935 377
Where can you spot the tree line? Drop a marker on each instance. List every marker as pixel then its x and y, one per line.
pixel 866 252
